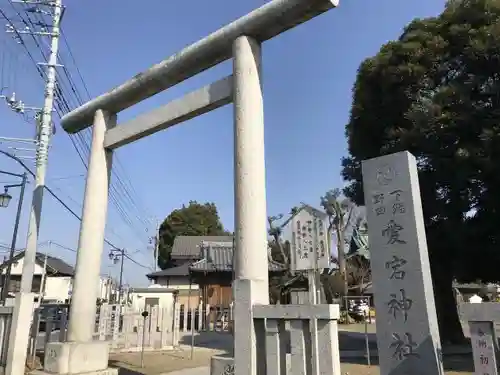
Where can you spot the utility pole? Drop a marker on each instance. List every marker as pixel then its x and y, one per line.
pixel 155 241
pixel 54 9
pixel 114 254
pixel 120 283
pixel 157 245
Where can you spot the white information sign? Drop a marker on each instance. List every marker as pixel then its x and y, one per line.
pixel 309 245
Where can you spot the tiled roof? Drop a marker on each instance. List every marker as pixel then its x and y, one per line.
pixel 188 247
pixel 218 257
pixel 182 270
pixel 55 266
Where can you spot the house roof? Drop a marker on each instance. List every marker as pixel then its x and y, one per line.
pixel 219 258
pixel 188 247
pixel 182 270
pixel 55 266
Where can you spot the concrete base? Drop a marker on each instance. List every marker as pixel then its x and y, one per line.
pixel 224 365
pixel 77 357
pixel 221 365
pixel 108 371
pixel 19 334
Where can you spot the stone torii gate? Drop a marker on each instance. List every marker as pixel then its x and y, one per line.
pixel 241 40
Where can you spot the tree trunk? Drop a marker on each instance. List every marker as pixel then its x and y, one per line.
pixel 443 272
pixel 450 328
pixel 341 258
pixel 282 252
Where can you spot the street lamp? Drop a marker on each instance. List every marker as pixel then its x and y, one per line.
pixel 114 255
pixel 5 199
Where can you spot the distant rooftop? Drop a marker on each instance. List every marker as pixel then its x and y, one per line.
pixel 188 247
pixel 55 266
pixel 218 257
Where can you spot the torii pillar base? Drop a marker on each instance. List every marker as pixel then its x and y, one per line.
pixel 77 358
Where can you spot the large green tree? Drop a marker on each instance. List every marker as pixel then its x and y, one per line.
pixel 436 93
pixel 195 219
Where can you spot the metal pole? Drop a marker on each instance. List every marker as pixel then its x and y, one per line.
pixel 5 289
pixel 190 320
pixel 144 315
pixel 121 277
pixel 367 341
pixel 42 153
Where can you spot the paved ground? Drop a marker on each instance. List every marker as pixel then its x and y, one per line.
pixel 180 364
pixel 352 345
pixel 352 340
pixel 156 363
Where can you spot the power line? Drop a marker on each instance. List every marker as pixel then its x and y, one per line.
pixel 54 195
pixel 121 193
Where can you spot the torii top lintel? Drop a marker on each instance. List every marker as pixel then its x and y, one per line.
pixel 264 23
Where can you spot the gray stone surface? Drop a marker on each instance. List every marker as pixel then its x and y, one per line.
pixel 191 371
pixel 407 329
pixel 264 23
pixel 107 371
pixel 480 312
pixel 483 348
pixel 224 365
pixel 76 357
pixel 221 365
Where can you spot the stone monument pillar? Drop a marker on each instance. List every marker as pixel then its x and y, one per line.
pixel 407 328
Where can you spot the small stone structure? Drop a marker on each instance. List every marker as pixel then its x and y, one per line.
pixel 311 331
pixel 481 318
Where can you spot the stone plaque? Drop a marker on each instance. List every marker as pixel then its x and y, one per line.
pixel 483 348
pixel 407 329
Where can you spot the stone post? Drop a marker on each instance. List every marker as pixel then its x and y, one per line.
pixel 251 263
pixel 91 241
pixel 407 327
pixel 81 354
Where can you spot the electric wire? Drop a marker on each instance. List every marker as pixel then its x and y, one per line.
pixel 81 142
pixel 72 212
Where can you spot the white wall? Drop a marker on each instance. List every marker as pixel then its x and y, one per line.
pixel 138 299
pixel 106 288
pixel 175 282
pixel 17 268
pixel 57 288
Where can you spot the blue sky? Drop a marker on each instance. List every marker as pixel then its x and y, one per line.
pixel 308 77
